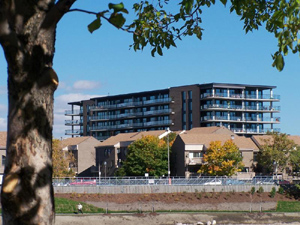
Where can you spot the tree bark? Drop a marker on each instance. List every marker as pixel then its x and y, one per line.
pixel 27 35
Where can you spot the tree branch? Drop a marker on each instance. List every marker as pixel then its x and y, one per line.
pixel 57 12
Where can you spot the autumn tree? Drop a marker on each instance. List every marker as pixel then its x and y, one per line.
pixel 275 152
pixel 27 36
pixel 222 160
pixel 146 155
pixel 61 160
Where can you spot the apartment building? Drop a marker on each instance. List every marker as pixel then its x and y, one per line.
pixel 243 109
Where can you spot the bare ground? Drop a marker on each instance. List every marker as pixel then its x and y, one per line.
pixel 147 203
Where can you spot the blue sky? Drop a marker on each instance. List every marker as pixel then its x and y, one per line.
pixel 101 63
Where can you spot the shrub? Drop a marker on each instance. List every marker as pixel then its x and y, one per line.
pixel 280 190
pixel 252 191
pixel 260 190
pixel 273 192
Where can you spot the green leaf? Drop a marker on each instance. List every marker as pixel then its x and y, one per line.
pixel 153 52
pixel 96 24
pixel 224 2
pixel 117 7
pixel 117 20
pixel 159 51
pixel 278 61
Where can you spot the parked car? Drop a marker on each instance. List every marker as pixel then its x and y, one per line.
pixel 83 183
pixel 234 182
pixel 282 182
pixel 213 182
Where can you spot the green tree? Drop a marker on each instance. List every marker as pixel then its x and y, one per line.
pixel 61 160
pixel 275 151
pixel 147 155
pixel 295 159
pixel 27 36
pixel 222 160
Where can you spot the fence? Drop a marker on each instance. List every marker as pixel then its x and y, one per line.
pixel 114 185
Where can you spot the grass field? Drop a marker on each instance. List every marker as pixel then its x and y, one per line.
pixel 283 206
pixel 63 205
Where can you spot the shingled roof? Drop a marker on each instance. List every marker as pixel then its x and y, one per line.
pixel 122 137
pixel 205 139
pixel 74 140
pixel 3 136
pixel 209 130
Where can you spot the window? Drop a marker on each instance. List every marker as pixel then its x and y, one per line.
pixel 3 160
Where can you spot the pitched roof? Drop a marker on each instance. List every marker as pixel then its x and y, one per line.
pixel 3 136
pixel 122 137
pixel 74 140
pixel 205 139
pixel 209 130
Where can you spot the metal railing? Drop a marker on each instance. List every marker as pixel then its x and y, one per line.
pixel 204 180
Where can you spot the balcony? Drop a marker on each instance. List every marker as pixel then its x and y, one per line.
pixel 77 112
pixel 74 132
pixel 130 115
pixel 264 97
pixel 253 131
pixel 130 104
pixel 240 108
pixel 131 125
pixel 73 122
pixel 240 119
pixel 194 161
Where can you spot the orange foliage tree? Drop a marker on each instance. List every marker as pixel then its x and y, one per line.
pixel 222 160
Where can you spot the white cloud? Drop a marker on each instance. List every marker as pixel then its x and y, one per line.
pixel 60 106
pixel 3 124
pixel 86 85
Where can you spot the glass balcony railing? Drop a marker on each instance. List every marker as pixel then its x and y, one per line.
pixel 127 115
pixel 73 112
pixel 240 107
pixel 73 122
pixel 241 96
pixel 74 132
pixel 131 125
pixel 130 104
pixel 241 119
pixel 254 131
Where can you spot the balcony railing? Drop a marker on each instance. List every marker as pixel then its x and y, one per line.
pixel 241 119
pixel 240 107
pixel 73 112
pixel 131 125
pixel 73 122
pixel 241 96
pixel 127 115
pixel 254 131
pixel 74 132
pixel 130 104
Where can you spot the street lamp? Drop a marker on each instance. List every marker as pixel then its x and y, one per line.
pixel 168 130
pixel 99 173
pixel 105 169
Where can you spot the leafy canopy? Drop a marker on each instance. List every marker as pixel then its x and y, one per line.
pixel 222 160
pixel 61 160
pixel 276 150
pixel 146 155
pixel 159 28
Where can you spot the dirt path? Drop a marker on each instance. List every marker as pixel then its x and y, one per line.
pixel 154 206
pixel 173 219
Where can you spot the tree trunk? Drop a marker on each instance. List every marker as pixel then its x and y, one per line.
pixel 27 35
